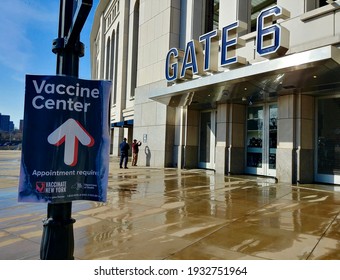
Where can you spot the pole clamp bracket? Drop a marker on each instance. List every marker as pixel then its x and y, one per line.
pixel 61 44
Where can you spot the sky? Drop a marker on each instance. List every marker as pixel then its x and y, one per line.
pixel 27 29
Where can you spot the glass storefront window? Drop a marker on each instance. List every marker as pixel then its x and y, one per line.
pixel 261 139
pixel 328 139
pixel 205 137
pixel 212 15
pixel 254 136
pixel 315 4
pixel 207 140
pixel 322 3
pixel 256 7
pixel 272 136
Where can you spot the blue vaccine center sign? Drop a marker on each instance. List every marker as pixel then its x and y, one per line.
pixel 65 149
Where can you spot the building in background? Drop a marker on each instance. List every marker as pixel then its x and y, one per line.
pixel 240 87
pixel 6 125
pixel 21 125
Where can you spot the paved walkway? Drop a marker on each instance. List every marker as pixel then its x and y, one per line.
pixel 167 213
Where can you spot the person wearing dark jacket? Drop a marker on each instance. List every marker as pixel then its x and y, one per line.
pixel 124 153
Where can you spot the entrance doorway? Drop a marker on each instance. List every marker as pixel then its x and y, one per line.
pixel 261 140
pixel 328 140
pixel 207 140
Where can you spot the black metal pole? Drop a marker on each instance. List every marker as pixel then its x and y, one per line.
pixel 67 54
pixel 58 240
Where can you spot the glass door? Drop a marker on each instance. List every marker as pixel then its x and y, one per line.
pixel 254 140
pixel 328 141
pixel 272 140
pixel 207 140
pixel 261 140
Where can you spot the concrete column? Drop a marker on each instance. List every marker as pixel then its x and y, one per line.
pixel 228 12
pixel 295 8
pixel 305 138
pixel 182 137
pixel 230 138
pixel 221 159
pixel 286 153
pixel 132 48
pixel 192 139
pixel 118 135
pixel 237 121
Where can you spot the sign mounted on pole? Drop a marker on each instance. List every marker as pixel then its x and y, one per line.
pixel 65 150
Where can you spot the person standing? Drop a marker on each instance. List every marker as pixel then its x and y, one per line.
pixel 124 153
pixel 135 150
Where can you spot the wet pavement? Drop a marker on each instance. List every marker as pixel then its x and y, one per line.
pixel 166 213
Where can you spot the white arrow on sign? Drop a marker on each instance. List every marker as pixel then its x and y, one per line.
pixel 71 132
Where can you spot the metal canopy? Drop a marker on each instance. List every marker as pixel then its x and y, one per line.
pixel 309 72
pixel 128 123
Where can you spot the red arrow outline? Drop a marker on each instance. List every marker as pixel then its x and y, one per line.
pixel 62 140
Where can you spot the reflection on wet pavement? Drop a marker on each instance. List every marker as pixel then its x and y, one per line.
pixel 164 213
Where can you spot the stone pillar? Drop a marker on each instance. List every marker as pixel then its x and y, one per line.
pixel 286 152
pixel 228 12
pixel 305 138
pixel 295 8
pixel 192 139
pixel 221 158
pixel 237 121
pixel 230 138
pixel 118 135
pixel 182 137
